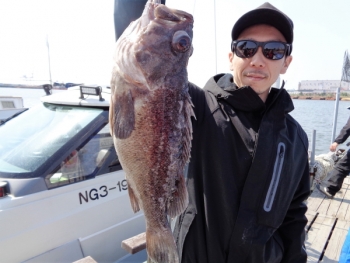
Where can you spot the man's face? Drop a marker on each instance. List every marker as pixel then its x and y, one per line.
pixel 258 72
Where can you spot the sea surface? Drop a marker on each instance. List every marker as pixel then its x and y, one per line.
pixel 318 115
pixel 312 115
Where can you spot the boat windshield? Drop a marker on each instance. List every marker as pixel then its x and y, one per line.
pixel 30 139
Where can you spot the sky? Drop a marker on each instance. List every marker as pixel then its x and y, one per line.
pixel 81 38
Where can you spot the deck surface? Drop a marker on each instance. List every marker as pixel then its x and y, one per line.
pixel 328 225
pixel 329 222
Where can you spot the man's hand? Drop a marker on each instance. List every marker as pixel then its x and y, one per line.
pixel 333 147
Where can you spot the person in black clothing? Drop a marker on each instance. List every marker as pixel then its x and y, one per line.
pixel 341 169
pixel 248 175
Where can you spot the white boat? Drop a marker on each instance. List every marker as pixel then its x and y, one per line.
pixel 63 193
pixel 10 106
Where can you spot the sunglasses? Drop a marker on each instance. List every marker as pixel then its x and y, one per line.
pixel 273 50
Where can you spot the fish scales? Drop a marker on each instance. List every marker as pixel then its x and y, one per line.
pixel 150 119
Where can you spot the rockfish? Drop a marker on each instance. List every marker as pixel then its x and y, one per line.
pixel 150 118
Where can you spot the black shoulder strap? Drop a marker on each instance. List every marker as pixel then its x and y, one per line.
pixel 247 136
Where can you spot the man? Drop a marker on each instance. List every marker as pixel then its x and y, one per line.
pixel 341 168
pixel 249 174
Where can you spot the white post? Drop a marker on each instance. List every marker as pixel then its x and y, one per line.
pixel 313 147
pixel 335 115
pixel 48 55
pixel 312 160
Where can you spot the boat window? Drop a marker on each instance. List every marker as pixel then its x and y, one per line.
pixel 96 157
pixel 31 139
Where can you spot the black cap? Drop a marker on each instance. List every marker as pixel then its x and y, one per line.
pixel 265 14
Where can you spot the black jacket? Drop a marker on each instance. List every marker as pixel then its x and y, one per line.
pixel 246 195
pixel 344 133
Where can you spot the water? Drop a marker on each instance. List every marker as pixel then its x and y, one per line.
pixel 311 114
pixel 318 115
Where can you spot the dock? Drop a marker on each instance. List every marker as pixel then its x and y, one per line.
pixel 328 224
pixel 327 228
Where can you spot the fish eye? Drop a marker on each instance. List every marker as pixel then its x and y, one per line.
pixel 181 41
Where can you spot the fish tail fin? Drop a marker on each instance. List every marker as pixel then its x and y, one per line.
pixel 161 247
pixel 179 200
pixel 133 200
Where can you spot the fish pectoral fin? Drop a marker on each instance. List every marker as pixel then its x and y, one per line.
pixel 124 114
pixel 133 200
pixel 179 200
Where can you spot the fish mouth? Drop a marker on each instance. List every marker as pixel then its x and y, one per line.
pixel 159 13
pixel 165 13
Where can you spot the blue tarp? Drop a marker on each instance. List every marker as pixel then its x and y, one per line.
pixel 345 251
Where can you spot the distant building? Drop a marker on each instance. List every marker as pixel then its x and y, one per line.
pixel 323 86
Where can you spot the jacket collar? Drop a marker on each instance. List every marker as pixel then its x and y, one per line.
pixel 245 98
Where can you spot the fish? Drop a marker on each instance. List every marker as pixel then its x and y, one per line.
pixel 150 119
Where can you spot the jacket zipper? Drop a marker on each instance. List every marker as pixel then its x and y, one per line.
pixel 275 177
